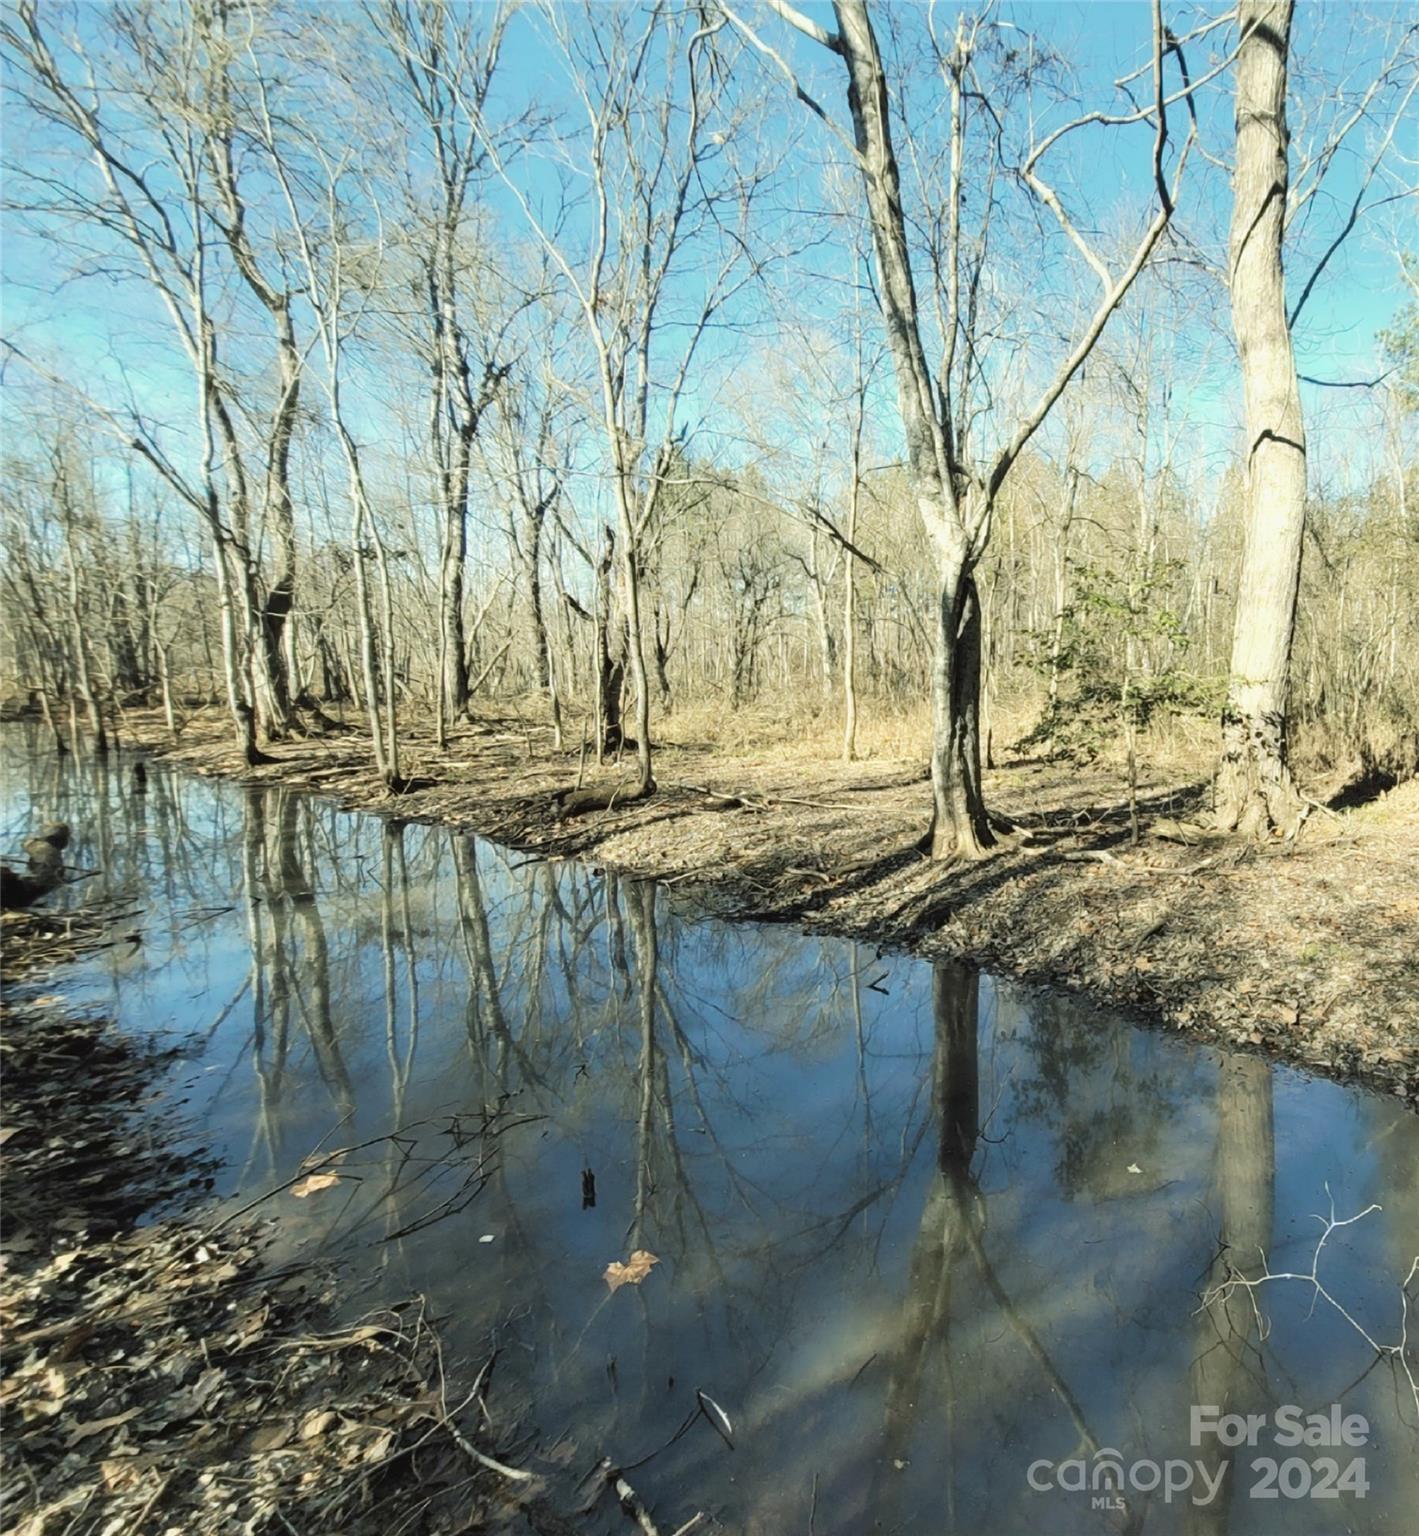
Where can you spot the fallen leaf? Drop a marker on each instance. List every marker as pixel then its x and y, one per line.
pixel 632 1272
pixel 98 1426
pixel 718 1418
pixel 1134 1168
pixel 6 1134
pixel 273 1436
pixel 380 1446
pixel 316 1423
pixel 314 1183
pixel 118 1475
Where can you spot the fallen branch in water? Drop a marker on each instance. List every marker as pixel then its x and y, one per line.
pixel 632 1504
pixel 1398 1352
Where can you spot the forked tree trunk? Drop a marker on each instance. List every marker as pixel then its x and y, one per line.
pixel 1254 790
pixel 959 827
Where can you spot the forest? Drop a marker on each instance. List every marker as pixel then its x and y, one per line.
pixel 718 700
pixel 368 366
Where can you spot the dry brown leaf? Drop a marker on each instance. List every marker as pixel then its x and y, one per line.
pixel 273 1436
pixel 316 1423
pixel 313 1183
pixel 98 1426
pixel 380 1446
pixel 636 1268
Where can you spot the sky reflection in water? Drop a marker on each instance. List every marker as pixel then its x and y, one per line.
pixel 901 1237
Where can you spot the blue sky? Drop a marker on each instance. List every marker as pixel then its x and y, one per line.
pixel 113 335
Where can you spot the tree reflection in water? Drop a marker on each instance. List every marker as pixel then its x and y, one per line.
pixel 916 1229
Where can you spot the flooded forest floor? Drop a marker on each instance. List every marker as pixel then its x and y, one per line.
pixel 1303 950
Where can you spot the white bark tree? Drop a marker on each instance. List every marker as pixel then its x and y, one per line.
pixel 1255 794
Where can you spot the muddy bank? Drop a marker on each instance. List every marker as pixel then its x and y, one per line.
pixel 159 1372
pixel 1304 951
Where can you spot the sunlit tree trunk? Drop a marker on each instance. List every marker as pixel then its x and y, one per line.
pixel 1254 790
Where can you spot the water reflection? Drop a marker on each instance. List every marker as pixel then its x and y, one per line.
pixel 917 1230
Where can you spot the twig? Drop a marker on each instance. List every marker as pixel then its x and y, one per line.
pixel 1332 1223
pixel 630 1499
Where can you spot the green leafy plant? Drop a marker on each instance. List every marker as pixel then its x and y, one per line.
pixel 1117 659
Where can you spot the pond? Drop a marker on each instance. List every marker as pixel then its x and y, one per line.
pixel 931 1248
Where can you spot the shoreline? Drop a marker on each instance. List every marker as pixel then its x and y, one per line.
pixel 1303 952
pixel 158 1369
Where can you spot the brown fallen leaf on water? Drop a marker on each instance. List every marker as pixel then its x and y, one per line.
pixel 314 1183
pixel 632 1272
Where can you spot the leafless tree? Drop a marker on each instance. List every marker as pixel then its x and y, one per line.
pixel 955 488
pixel 656 131
pixel 1255 793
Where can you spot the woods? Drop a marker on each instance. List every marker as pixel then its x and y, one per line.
pixel 711 719
pixel 675 369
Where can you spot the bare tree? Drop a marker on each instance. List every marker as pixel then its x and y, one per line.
pixel 447 59
pixel 1254 790
pixel 1255 794
pixel 655 133
pixel 155 199
pixel 956 491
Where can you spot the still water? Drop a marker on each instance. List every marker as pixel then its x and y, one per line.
pixel 930 1241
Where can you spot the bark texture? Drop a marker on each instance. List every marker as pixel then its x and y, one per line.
pixel 1254 790
pixel 958 825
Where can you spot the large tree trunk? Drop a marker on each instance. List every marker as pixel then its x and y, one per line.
pixel 959 825
pixel 1254 790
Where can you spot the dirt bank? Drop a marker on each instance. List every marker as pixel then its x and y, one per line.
pixel 1307 951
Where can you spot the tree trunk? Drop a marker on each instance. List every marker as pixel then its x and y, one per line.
pixel 609 675
pixel 82 672
pixel 959 825
pixel 1254 790
pixel 542 644
pixel 635 646
pixel 277 609
pixel 850 637
pixel 452 647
